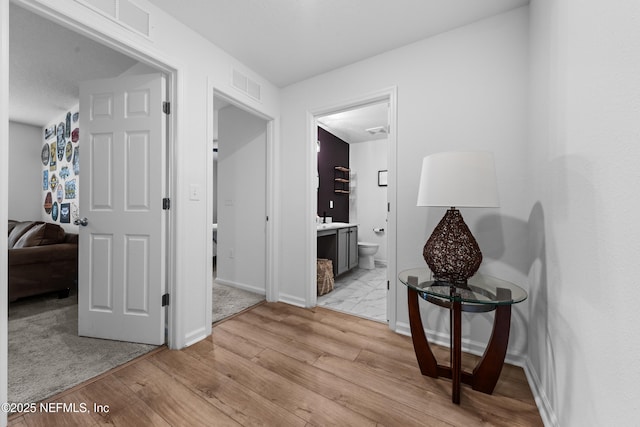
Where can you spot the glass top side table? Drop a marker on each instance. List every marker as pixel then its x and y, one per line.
pixel 480 294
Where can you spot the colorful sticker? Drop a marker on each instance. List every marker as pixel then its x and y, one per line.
pixel 75 116
pixel 75 135
pixel 68 151
pixel 59 193
pixel 64 172
pixel 70 189
pixel 54 211
pixel 65 213
pixel 76 160
pixel 61 145
pixel 49 132
pixel 48 203
pixel 53 182
pixel 67 129
pixel 52 157
pixel 45 179
pixel 44 154
pixel 60 130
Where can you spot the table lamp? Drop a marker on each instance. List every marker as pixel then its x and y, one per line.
pixel 456 179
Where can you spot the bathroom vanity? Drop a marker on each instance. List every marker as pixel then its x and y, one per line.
pixel 338 242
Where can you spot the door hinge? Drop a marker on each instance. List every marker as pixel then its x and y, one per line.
pixel 165 300
pixel 166 204
pixel 387 285
pixel 388 206
pixel 166 107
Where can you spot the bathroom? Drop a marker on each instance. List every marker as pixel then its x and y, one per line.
pixel 352 191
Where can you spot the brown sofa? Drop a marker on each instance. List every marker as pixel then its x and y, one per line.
pixel 42 258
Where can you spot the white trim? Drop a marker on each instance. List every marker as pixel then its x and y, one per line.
pixel 171 68
pixel 292 300
pixel 242 286
pixel 547 413
pixel 468 346
pixel 390 95
pixel 196 336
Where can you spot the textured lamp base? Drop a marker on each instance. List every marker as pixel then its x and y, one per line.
pixel 451 252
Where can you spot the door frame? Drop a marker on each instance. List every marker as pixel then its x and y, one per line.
pixel 271 289
pixel 390 95
pixel 171 70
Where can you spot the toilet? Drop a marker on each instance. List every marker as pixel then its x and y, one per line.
pixel 366 251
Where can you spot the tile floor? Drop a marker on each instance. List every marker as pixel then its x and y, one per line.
pixel 360 292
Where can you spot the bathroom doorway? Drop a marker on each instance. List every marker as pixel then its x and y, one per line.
pixel 365 130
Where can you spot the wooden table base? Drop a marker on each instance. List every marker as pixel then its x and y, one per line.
pixel 486 373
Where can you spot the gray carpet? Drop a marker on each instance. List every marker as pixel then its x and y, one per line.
pixel 46 356
pixel 228 301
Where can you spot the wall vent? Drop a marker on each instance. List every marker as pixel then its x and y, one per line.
pixel 125 12
pixel 246 85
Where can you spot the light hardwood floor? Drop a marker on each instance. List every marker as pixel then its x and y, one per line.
pixel 279 365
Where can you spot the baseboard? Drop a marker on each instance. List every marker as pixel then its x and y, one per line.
pixel 243 286
pixel 468 346
pixel 547 413
pixel 195 336
pixel 292 300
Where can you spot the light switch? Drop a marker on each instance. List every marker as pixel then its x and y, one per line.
pixel 330 204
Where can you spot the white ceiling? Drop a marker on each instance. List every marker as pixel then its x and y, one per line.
pixel 46 64
pixel 352 125
pixel 287 41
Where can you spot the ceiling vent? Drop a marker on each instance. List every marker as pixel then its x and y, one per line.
pixel 246 85
pixel 376 130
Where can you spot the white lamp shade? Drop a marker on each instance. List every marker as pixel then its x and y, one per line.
pixel 459 179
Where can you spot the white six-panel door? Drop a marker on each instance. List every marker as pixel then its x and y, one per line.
pixel 122 247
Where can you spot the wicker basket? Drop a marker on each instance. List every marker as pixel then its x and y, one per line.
pixel 324 276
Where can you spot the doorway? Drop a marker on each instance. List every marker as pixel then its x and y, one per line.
pixel 130 68
pixel 239 208
pixel 381 230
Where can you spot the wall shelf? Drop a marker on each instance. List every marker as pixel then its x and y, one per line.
pixel 341 180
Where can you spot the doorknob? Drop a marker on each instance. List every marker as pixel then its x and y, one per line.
pixel 81 221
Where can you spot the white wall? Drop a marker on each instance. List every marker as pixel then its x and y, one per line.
pixel 368 203
pixel 464 89
pixel 241 186
pixel 25 172
pixel 583 200
pixel 200 66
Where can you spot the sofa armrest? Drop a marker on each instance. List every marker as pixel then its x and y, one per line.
pixel 43 254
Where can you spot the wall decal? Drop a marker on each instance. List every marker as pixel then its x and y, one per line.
pixel 75 117
pixel 49 132
pixel 45 179
pixel 75 135
pixel 70 189
pixel 65 211
pixel 67 129
pixel 48 203
pixel 53 181
pixel 61 145
pixel 76 160
pixel 60 130
pixel 59 193
pixel 64 172
pixel 54 211
pixel 52 157
pixel 44 154
pixel 68 151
